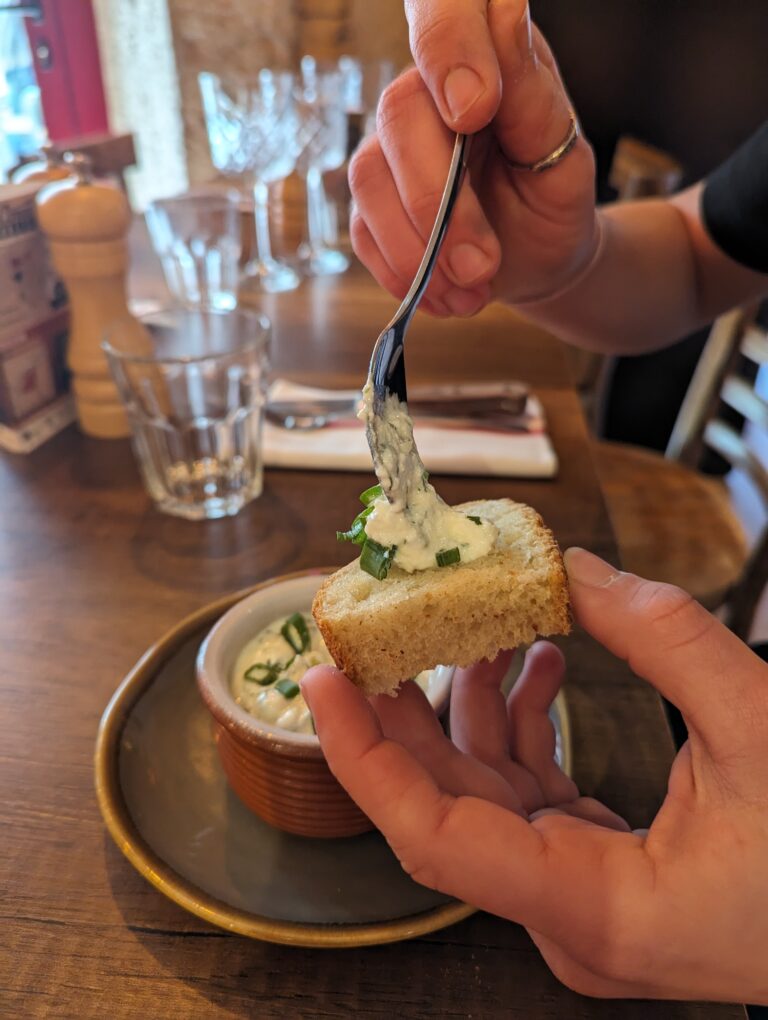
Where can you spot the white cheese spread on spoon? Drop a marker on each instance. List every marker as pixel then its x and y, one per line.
pixel 409 515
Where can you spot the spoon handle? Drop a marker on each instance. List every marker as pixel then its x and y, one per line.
pixel 450 195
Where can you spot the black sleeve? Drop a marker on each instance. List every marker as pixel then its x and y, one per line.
pixel 734 203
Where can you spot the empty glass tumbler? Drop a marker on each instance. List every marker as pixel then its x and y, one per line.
pixel 198 239
pixel 196 406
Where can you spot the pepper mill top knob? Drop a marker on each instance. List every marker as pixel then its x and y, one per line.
pixel 80 209
pixel 81 166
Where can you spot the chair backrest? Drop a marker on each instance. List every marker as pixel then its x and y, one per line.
pixel 639 170
pixel 716 383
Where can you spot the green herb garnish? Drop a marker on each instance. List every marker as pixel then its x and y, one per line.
pixel 376 559
pixel 356 531
pixel 355 534
pixel 288 688
pixel 447 557
pixel 295 632
pixel 264 673
pixel 369 495
pixel 477 520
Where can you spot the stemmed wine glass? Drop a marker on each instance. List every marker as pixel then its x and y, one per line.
pixel 251 132
pixel 363 86
pixel 322 145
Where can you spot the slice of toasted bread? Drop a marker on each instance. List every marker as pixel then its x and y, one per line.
pixel 382 632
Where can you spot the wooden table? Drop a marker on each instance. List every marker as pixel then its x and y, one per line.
pixel 90 575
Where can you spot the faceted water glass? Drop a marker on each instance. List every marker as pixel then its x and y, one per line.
pixel 195 404
pixel 198 239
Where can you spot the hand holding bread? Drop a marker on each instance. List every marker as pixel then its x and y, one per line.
pixel 381 632
pixel 489 818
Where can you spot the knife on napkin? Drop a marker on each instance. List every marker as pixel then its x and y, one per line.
pixel 520 448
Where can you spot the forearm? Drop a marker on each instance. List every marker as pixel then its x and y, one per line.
pixel 639 291
pixel 655 277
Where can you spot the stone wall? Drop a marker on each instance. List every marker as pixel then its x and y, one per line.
pixel 153 50
pixel 238 36
pixel 379 31
pixel 241 35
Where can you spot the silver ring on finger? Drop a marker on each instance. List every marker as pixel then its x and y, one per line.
pixel 554 157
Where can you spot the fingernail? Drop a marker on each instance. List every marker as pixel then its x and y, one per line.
pixel 305 688
pixel 585 568
pixel 468 263
pixel 524 35
pixel 462 89
pixel 463 302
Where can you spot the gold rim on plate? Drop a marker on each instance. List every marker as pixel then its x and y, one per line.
pixel 189 896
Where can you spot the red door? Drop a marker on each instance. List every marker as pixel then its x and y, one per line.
pixel 66 61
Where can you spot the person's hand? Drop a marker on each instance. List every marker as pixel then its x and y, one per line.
pixel 482 67
pixel 676 911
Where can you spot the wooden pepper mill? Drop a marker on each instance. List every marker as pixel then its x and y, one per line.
pixel 86 225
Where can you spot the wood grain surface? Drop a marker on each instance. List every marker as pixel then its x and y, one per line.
pixel 90 575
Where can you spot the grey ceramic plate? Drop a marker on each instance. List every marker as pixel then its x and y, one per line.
pixel 167 804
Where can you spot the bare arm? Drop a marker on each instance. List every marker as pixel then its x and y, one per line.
pixel 628 277
pixel 655 277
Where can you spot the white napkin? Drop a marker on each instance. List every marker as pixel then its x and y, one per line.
pixel 445 448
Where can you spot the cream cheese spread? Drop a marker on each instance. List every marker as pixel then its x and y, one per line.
pixel 267 672
pixel 409 514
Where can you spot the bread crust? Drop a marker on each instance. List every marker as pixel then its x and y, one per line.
pixel 381 632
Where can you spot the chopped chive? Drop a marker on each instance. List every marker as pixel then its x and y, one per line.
pixel 370 494
pixel 477 520
pixel 425 476
pixel 288 688
pixel 356 531
pixel 355 534
pixel 295 632
pixel 376 559
pixel 447 557
pixel 263 673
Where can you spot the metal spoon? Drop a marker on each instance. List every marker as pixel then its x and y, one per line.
pixel 386 375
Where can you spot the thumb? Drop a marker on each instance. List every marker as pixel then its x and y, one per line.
pixel 454 53
pixel 719 685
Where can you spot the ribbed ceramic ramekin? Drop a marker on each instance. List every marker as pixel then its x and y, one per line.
pixel 280 775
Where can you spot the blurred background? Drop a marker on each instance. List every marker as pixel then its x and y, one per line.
pixel 687 76
pixel 665 90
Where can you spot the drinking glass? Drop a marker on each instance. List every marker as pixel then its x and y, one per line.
pixel 321 145
pixel 251 131
pixel 197 237
pixel 364 83
pixel 196 406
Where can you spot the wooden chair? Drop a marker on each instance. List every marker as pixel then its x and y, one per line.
pixel 675 524
pixel 639 170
